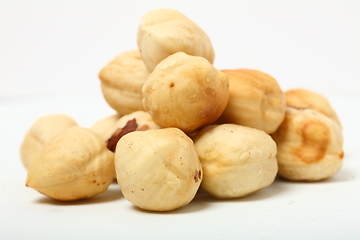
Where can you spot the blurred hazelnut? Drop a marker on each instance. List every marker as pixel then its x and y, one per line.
pixel 122 80
pixel 163 32
pixel 309 99
pixel 310 145
pixel 74 165
pixel 42 131
pixel 255 100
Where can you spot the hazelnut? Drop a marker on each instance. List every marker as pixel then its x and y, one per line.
pixel 158 170
pixel 309 99
pixel 75 164
pixel 236 160
pixel 185 92
pixel 110 125
pixel 310 145
pixel 43 130
pixel 163 32
pixel 122 80
pixel 255 100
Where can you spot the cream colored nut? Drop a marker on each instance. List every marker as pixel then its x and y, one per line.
pixel 163 32
pixel 310 145
pixel 108 126
pixel 236 160
pixel 309 99
pixel 158 170
pixel 255 100
pixel 122 80
pixel 186 92
pixel 43 130
pixel 74 165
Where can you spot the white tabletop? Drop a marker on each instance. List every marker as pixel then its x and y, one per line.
pixel 51 53
pixel 285 210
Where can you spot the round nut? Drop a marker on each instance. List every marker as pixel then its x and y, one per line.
pixel 42 131
pixel 122 80
pixel 185 92
pixel 163 32
pixel 236 160
pixel 255 100
pixel 158 170
pixel 308 99
pixel 310 145
pixel 74 165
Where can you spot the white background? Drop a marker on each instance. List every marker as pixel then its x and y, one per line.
pixel 50 56
pixel 57 47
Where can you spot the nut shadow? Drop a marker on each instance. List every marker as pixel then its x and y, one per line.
pixel 203 200
pixel 275 188
pixel 113 193
pixel 344 175
pixel 193 206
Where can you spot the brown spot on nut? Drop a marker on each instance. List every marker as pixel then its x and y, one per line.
pixel 129 127
pixel 315 138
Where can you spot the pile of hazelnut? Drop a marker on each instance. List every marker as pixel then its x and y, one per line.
pixel 182 124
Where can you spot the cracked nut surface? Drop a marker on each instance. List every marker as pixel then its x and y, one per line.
pixel 236 160
pixel 185 92
pixel 158 170
pixel 122 80
pixel 163 32
pixel 74 165
pixel 310 145
pixel 43 130
pixel 255 100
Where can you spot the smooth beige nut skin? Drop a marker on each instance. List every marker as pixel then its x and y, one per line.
pixel 309 99
pixel 122 80
pixel 186 92
pixel 255 100
pixel 236 160
pixel 43 130
pixel 310 145
pixel 107 126
pixel 158 170
pixel 74 165
pixel 163 32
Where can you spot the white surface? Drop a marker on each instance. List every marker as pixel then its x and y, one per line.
pixel 285 210
pixel 51 52
pixel 51 47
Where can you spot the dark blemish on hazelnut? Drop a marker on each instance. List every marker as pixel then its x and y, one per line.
pixel 130 126
pixel 142 189
pixel 94 181
pixel 172 84
pixel 197 176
